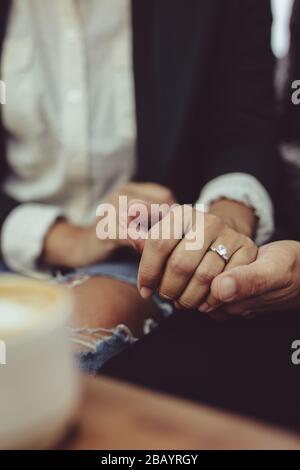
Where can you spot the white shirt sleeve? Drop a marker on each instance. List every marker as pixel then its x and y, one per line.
pixel 23 234
pixel 244 188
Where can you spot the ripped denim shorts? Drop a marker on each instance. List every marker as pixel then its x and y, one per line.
pixel 97 346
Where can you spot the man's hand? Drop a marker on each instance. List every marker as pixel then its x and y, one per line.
pixel 270 284
pixel 72 246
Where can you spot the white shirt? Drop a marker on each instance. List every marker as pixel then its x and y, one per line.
pixel 281 26
pixel 67 65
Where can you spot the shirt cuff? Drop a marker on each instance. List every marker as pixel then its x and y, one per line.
pixel 23 234
pixel 244 188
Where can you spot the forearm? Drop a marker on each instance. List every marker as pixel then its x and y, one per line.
pixel 61 245
pixel 72 246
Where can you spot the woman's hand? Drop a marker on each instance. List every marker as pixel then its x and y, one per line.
pixel 182 275
pixel 151 193
pixel 235 214
pixel 269 284
pixel 73 246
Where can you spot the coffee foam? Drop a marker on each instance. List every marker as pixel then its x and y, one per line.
pixel 15 318
pixel 25 304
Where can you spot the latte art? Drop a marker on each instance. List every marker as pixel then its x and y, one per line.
pixel 15 318
pixel 27 305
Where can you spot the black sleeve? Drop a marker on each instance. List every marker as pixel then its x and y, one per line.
pixel 244 116
pixel 290 112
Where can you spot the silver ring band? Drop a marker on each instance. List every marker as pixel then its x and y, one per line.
pixel 221 250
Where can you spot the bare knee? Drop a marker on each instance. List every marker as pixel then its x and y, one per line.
pixel 105 303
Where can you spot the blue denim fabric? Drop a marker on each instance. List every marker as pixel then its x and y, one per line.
pixel 105 349
pixel 125 270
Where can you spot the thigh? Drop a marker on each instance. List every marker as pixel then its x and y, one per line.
pixel 102 302
pixel 243 366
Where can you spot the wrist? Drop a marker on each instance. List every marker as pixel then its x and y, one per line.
pixel 89 249
pixel 72 246
pixel 61 245
pixel 236 215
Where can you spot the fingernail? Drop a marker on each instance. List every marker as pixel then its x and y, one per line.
pixel 205 308
pixel 227 288
pixel 146 292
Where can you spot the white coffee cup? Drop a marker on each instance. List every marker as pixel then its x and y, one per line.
pixel 38 383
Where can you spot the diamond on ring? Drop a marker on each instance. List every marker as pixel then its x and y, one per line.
pixel 221 250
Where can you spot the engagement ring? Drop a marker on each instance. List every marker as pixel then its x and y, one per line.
pixel 221 250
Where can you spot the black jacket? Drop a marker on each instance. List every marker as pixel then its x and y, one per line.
pixel 289 200
pixel 289 112
pixel 204 92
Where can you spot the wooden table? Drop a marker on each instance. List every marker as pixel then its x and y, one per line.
pixel 115 416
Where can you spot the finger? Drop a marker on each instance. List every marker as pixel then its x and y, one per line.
pixel 181 266
pixel 178 271
pixel 247 309
pixel 186 257
pixel 244 256
pixel 140 217
pixel 155 193
pixel 271 301
pixel 144 212
pixel 199 285
pixel 157 249
pixel 243 282
pixel 136 223
pixel 232 242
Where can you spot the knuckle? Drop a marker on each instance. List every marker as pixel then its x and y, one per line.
pixel 213 302
pixel 167 195
pixel 263 283
pixel 249 243
pixel 213 222
pixel 146 276
pixel 166 295
pixel 159 246
pixel 249 249
pixel 179 266
pixel 186 304
pixel 204 277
